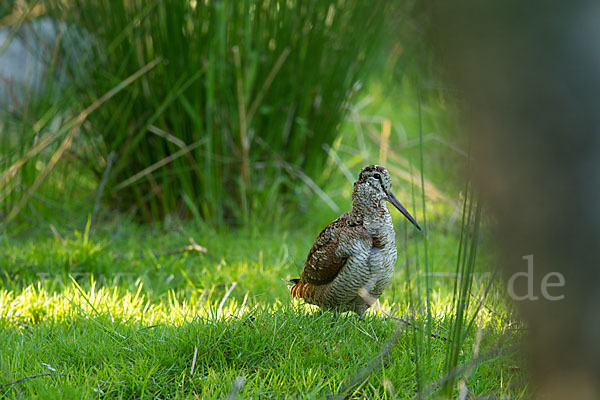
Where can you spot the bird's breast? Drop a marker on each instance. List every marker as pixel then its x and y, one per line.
pixel 382 254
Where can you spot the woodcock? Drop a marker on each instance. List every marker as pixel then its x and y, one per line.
pixel 353 258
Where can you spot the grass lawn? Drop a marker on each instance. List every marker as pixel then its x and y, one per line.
pixel 127 313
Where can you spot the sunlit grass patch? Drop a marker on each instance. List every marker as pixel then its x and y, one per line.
pixel 35 304
pixel 280 350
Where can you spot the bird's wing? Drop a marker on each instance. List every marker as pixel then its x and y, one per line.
pixel 327 257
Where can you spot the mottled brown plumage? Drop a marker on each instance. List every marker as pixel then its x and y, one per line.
pixel 353 257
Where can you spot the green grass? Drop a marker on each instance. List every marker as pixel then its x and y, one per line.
pixel 124 310
pixel 280 351
pixel 243 93
pixel 117 309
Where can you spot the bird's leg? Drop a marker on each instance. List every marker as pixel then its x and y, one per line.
pixel 362 314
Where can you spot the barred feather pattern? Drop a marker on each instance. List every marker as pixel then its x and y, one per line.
pixel 355 254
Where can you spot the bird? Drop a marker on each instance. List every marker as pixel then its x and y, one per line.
pixel 352 259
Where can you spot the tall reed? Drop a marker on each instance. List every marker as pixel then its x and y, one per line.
pixel 246 92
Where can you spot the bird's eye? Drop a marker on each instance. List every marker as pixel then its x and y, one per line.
pixel 377 176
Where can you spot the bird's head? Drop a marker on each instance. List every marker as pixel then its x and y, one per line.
pixel 374 183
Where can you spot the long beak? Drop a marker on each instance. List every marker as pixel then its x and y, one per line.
pixel 392 199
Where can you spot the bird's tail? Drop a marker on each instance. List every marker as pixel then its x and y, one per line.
pixel 294 287
pixel 299 289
